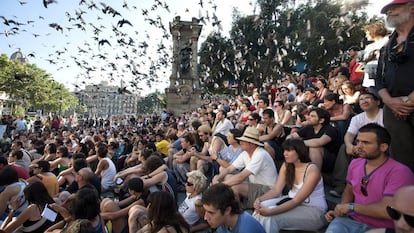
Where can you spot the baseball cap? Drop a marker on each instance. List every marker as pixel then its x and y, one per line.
pixel 394 2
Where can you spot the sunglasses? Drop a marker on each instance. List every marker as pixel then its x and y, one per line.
pixel 189 184
pixel 364 183
pixel 250 119
pixel 396 215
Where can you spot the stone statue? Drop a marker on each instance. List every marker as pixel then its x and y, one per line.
pixel 185 59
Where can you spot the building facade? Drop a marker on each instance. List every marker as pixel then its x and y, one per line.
pixel 103 100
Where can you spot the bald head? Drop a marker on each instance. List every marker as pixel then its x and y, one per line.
pixel 402 202
pixel 86 173
pixel 403 199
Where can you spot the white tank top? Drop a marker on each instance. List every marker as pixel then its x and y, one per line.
pixel 316 198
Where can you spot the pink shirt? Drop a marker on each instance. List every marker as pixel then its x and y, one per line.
pixel 383 181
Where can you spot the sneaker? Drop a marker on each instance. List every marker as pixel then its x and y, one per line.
pixel 334 193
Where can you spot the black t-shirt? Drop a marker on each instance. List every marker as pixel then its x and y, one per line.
pixel 308 132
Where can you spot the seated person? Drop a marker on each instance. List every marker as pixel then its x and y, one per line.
pixel 106 170
pixel 181 159
pixel 42 174
pixel 30 219
pixel 160 178
pixel 401 211
pixel 61 163
pixel 222 211
pixel 372 180
pixel 137 170
pixel 272 135
pixel 305 203
pixel 194 187
pixel 321 138
pixel 117 212
pixel 85 205
pixel 163 215
pixel 13 190
pixel 340 113
pixel 258 170
pixel 223 155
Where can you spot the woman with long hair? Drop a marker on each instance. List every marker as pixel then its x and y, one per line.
pixel 31 220
pixel 305 203
pixel 322 86
pixel 350 96
pixel 163 215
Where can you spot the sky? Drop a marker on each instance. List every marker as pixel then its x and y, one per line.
pixel 62 52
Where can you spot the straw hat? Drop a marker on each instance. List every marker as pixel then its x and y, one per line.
pixel 251 135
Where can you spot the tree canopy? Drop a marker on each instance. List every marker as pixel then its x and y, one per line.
pixel 281 39
pixel 28 86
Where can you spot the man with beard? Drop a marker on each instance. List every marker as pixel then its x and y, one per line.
pixel 372 113
pixel 372 181
pixel 394 81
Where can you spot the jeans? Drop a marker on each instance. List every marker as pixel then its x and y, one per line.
pixel 346 225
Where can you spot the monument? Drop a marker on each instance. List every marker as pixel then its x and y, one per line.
pixel 184 93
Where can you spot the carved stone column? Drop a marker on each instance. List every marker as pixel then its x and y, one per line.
pixel 184 92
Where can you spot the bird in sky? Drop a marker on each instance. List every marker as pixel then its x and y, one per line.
pixel 47 2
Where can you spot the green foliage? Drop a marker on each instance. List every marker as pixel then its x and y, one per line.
pixel 152 103
pixel 29 86
pixel 263 47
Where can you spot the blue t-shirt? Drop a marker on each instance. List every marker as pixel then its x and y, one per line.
pixel 245 224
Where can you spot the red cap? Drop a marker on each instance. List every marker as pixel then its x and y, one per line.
pixel 394 2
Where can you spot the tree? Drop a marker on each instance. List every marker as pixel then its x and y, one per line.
pixel 263 47
pixel 29 86
pixel 152 103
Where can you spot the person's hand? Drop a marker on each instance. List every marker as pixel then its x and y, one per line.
pixel 330 215
pixel 341 209
pixel 400 109
pixel 15 202
pixel 351 150
pixel 215 180
pixel 264 211
pixel 256 203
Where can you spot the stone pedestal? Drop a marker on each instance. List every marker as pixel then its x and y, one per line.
pixel 184 92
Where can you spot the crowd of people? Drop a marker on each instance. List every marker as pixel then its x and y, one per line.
pixel 251 163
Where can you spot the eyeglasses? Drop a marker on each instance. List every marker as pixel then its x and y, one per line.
pixel 396 215
pixel 189 184
pixel 250 119
pixel 364 183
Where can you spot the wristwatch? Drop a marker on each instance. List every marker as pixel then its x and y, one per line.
pixel 351 207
